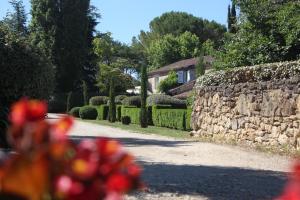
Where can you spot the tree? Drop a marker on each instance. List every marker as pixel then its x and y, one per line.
pixel 60 29
pixel 170 49
pixel 233 20
pixel 229 19
pixel 200 67
pixel 169 83
pixel 85 93
pixel 144 86
pixel 268 32
pixel 16 21
pixel 112 104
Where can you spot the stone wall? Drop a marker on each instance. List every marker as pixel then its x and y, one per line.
pixel 266 112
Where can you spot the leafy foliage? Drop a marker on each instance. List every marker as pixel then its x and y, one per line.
pixel 88 112
pixel 23 70
pixel 169 83
pixel 126 120
pixel 102 112
pixel 119 99
pixel 132 101
pixel 98 100
pixel 268 32
pixel 170 48
pixel 170 118
pixel 75 112
pixel 133 113
pixel 161 99
pixel 263 72
pixel 112 104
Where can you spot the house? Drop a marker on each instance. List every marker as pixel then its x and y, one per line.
pixel 185 70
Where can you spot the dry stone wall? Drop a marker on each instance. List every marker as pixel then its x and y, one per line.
pixel 259 112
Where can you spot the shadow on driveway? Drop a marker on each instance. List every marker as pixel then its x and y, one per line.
pixel 215 183
pixel 132 142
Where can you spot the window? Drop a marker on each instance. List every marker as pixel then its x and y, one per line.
pixel 156 82
pixel 180 76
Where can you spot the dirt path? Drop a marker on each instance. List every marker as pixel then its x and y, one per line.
pixel 180 169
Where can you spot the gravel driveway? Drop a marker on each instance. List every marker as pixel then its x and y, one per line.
pixel 186 170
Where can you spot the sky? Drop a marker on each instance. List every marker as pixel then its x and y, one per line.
pixel 126 18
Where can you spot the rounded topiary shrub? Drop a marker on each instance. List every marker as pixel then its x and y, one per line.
pixel 75 112
pixel 132 101
pixel 162 99
pixel 98 100
pixel 119 99
pixel 88 112
pixel 126 120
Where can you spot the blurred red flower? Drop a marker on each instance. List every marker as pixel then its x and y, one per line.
pixel 48 164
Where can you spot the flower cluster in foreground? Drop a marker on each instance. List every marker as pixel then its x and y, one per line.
pixel 47 165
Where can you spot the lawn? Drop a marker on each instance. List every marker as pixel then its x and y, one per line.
pixel 150 130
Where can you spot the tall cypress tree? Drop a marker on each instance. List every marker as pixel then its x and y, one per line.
pixel 229 20
pixel 112 104
pixel 144 83
pixel 233 19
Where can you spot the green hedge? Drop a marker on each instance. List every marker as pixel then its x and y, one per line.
pixel 188 119
pixel 162 99
pixel 88 112
pixel 164 116
pixel 119 112
pixel 132 112
pixel 75 112
pixel 102 112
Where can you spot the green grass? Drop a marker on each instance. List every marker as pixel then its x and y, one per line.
pixel 150 130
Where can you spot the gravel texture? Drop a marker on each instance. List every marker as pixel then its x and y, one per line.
pixel 177 169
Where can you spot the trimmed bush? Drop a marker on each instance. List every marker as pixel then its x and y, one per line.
pixel 132 112
pixel 162 99
pixel 98 100
pixel 132 101
pixel 88 112
pixel 119 99
pixel 164 116
pixel 75 112
pixel 125 120
pixel 188 119
pixel 102 112
pixel 119 112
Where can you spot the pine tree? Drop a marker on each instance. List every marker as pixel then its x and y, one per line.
pixel 144 83
pixel 16 21
pixel 112 104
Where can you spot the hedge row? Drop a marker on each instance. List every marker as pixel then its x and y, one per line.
pixel 132 112
pixel 102 112
pixel 168 117
pixel 263 72
pixel 162 99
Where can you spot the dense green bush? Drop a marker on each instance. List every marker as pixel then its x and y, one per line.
pixel 188 119
pixel 88 112
pixel 119 112
pixel 102 112
pixel 169 83
pixel 75 112
pixel 162 99
pixel 126 120
pixel 164 116
pixel 264 72
pixel 132 101
pixel 24 71
pixel 119 99
pixel 132 112
pixel 98 100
